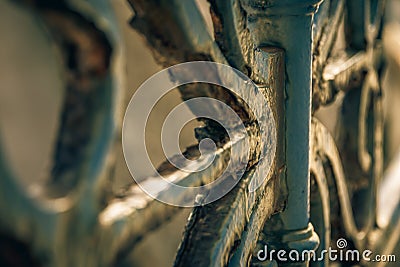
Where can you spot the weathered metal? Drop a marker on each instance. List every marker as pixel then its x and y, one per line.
pixel 292 31
pixel 268 73
pixel 75 220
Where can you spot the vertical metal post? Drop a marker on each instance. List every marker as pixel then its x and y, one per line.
pixel 288 24
pixel 297 44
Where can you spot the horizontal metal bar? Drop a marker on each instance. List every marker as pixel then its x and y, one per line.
pixel 133 214
pixel 347 70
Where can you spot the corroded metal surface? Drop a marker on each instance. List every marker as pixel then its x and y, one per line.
pixel 115 227
pixel 134 213
pixel 229 228
pixel 292 31
pixel 204 229
pixel 75 220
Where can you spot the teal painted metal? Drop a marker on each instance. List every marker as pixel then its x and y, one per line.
pixel 288 24
pixel 255 43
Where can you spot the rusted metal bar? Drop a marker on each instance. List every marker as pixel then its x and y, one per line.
pixel 133 214
pixel 268 73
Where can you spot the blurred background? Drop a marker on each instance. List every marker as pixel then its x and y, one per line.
pixel 31 98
